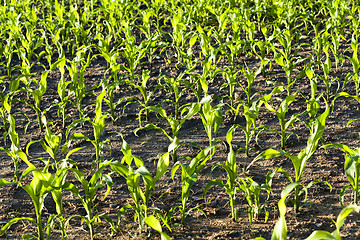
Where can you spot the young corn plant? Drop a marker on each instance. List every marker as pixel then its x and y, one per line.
pixel 110 88
pixel 15 152
pixel 283 57
pixel 132 52
pixel 299 161
pixel 251 114
pixel 97 180
pixel 189 173
pixel 211 118
pixel 259 48
pixel 231 178
pixel 76 70
pixel 51 144
pixel 179 34
pixel 280 229
pixel 319 234
pixel 326 78
pixel 41 185
pixel 313 104
pixel 175 125
pixel 145 93
pixel 173 86
pixel 98 124
pixel 355 64
pixel 252 191
pixel 231 80
pixel 281 115
pixel 139 196
pixel 37 94
pixel 352 170
pixel 61 89
pixel 154 223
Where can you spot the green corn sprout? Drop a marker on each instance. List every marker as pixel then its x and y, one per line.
pixel 280 229
pixel 110 89
pixel 335 40
pixel 174 124
pixel 98 124
pixel 352 170
pixel 250 77
pixel 41 185
pixel 179 34
pixel 133 178
pixel 62 85
pixel 173 86
pixel 6 98
pixel 355 64
pixel 281 115
pixel 15 152
pixel 78 86
pixel 231 177
pixel 211 118
pixel 299 161
pixel 132 52
pixel 231 79
pixel 323 235
pixel 252 192
pixel 326 67
pixel 313 104
pixel 319 41
pixel 288 64
pixel 37 94
pixel 189 173
pixel 145 93
pixel 251 114
pixel 259 48
pixel 52 145
pixel 97 180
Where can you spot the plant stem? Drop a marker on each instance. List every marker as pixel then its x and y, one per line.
pixel 296 198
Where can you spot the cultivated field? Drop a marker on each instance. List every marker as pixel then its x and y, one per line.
pixel 179 119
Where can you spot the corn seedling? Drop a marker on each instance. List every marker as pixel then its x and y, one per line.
pixel 173 86
pixel 140 197
pixel 299 161
pixel 15 152
pixel 252 191
pixel 97 180
pixel 355 64
pixel 352 170
pixel 41 185
pixel 175 124
pixel 189 173
pixel 281 115
pixel 37 94
pixel 145 93
pixel 324 235
pixel 78 86
pixel 98 124
pixel 251 114
pixel 231 177
pixel 211 118
pixel 280 229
